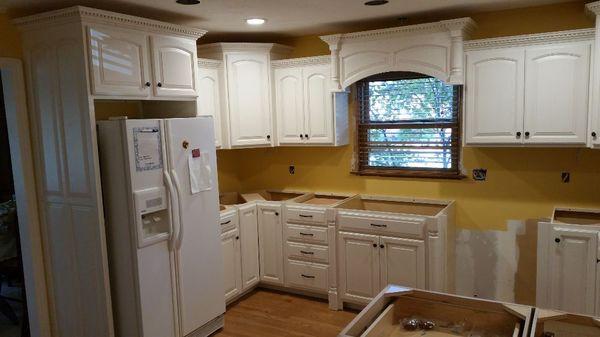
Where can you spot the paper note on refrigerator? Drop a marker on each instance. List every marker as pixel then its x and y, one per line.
pixel 147 147
pixel 200 172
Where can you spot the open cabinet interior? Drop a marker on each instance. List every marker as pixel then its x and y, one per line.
pixel 138 109
pixel 561 324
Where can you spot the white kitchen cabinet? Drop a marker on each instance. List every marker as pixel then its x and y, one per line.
pixel 529 90
pixel 495 96
pixel 306 109
pixel 271 246
pixel 359 267
pixel 248 220
pixel 174 66
pixel 232 278
pixel 557 93
pixel 402 261
pixel 209 95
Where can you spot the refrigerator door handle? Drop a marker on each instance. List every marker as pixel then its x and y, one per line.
pixel 174 209
pixel 179 209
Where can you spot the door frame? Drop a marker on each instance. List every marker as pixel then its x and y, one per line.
pixel 19 137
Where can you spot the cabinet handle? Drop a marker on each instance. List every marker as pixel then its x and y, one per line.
pixel 225 223
pixel 306 136
pixel 237 237
pixel 375 245
pixel 381 246
pixel 376 225
pixel 276 213
pixel 148 84
pixel 518 134
pixel 305 216
pixel 307 276
pixel 306 234
pixel 301 136
pixel 159 84
pixel 307 253
pixel 594 134
pixel 526 133
pixel 268 136
pixel 557 240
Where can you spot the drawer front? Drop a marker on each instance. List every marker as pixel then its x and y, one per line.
pixel 306 233
pixel 308 215
pixel 306 275
pixel 228 221
pixel 389 225
pixel 304 251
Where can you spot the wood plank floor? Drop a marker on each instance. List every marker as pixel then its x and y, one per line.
pixel 267 313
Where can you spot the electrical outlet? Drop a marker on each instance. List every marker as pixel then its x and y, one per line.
pixel 565 177
pixel 479 174
pixel 292 169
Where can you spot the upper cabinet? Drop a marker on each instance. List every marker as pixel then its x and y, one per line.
pixel 308 112
pixel 174 66
pixel 209 102
pixel 529 90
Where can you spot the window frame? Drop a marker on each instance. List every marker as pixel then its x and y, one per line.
pixel 439 173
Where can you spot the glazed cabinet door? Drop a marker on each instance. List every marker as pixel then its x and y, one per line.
pixel 232 279
pixel 402 262
pixel 174 66
pixel 118 61
pixel 249 245
pixel 494 96
pixel 557 94
pixel 270 233
pixel 289 105
pixel 209 98
pixel 318 105
pixel 248 91
pixel 358 256
pixel 572 260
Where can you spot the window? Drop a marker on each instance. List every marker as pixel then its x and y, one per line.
pixel 408 124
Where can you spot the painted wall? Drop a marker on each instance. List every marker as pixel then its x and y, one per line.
pixel 10 42
pixel 522 183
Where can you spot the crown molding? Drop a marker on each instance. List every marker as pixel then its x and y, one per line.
pixel 593 8
pixel 302 61
pixel 465 25
pixel 210 50
pixel 87 14
pixel 210 63
pixel 532 39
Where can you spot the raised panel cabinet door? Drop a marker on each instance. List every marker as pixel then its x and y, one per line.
pixel 232 278
pixel 557 94
pixel 209 98
pixel 248 91
pixel 495 96
pixel 174 66
pixel 572 269
pixel 289 105
pixel 249 241
pixel 359 266
pixel 402 262
pixel 270 244
pixel 118 62
pixel 318 105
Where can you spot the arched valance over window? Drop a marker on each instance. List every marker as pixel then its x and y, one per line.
pixel 434 49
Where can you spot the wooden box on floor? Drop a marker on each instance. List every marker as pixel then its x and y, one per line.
pixel 453 315
pixel 562 324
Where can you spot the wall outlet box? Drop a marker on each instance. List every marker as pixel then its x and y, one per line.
pixel 292 169
pixel 479 174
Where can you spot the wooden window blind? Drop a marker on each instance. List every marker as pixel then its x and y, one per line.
pixel 408 124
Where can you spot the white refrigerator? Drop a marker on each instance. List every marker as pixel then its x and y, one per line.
pixel 161 205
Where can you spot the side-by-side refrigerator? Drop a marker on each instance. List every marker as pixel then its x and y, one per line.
pixel 161 200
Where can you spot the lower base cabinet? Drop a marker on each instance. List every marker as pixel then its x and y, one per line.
pixel 307 275
pixel 232 277
pixel 270 232
pixel 248 220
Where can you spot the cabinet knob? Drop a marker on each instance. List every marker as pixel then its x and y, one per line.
pixel 381 246
pixel 594 134
pixel 147 84
pixel 557 240
pixel 159 84
pixel 526 133
pixel 268 136
pixel 237 237
pixel 375 245
pixel 276 213
pixel 306 136
pixel 301 136
pixel 518 134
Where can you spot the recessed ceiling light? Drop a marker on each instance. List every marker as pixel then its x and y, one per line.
pixel 376 2
pixel 255 21
pixel 188 2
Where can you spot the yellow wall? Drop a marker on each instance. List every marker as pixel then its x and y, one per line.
pixel 522 182
pixel 10 43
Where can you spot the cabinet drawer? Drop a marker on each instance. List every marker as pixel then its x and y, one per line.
pixel 306 275
pixel 228 221
pixel 306 233
pixel 389 225
pixel 309 215
pixel 297 250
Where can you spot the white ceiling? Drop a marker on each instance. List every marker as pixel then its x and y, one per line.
pixel 284 17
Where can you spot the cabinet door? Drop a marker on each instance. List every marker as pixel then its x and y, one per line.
pixel 572 261
pixel 209 100
pixel 118 62
pixel 288 105
pixel 249 90
pixel 556 94
pixel 402 262
pixel 174 66
pixel 359 266
pixel 318 105
pixel 249 238
pixel 494 96
pixel 232 278
pixel 270 244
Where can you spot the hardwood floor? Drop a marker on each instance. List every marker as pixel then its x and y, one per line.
pixel 266 313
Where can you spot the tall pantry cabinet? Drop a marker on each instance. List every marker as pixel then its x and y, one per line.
pixel 72 57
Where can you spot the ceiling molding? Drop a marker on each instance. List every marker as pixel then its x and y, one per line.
pixel 302 61
pixel 275 49
pixel 593 8
pixel 87 14
pixel 532 39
